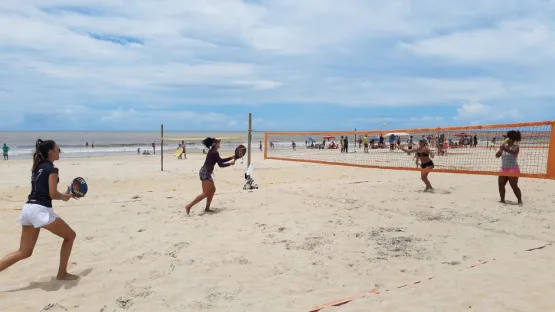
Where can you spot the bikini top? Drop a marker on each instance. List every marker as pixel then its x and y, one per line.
pixel 422 154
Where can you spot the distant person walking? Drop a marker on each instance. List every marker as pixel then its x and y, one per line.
pixel 391 142
pixel 365 141
pixel 184 153
pixel 153 148
pixel 5 150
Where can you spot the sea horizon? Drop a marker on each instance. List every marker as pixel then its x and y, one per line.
pixel 106 143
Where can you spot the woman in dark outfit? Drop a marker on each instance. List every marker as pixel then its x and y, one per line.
pixel 205 173
pixel 425 155
pixel 37 213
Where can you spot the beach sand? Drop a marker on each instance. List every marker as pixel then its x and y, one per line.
pixel 310 235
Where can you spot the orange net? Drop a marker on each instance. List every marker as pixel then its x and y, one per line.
pixel 467 150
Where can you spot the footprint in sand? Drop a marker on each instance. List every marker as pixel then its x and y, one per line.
pixel 176 248
pixel 54 307
pixel 138 291
pixel 124 303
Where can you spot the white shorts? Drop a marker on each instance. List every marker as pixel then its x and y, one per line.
pixel 37 215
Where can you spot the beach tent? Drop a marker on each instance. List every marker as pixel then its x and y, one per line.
pixel 398 134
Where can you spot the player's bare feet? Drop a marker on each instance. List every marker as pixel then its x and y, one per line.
pixel 188 209
pixel 67 277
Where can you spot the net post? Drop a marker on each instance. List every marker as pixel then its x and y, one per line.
pixel 162 147
pixel 265 145
pixel 249 143
pixel 551 153
pixel 355 149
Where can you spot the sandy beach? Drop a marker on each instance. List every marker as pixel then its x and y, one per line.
pixel 311 234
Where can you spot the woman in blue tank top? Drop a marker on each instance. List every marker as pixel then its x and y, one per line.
pixel 508 151
pixel 37 212
pixel 205 173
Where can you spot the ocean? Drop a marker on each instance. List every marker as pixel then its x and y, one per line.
pixel 74 144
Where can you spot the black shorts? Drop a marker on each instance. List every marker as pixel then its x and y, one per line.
pixel 365 144
pixel 204 174
pixel 429 164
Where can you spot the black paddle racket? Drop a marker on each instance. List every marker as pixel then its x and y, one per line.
pixel 240 151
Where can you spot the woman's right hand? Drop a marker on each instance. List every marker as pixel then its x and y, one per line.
pixel 66 197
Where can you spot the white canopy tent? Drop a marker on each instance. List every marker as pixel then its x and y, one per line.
pixel 398 134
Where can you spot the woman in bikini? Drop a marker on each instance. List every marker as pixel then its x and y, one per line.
pixel 37 213
pixel 205 173
pixel 425 155
pixel 508 151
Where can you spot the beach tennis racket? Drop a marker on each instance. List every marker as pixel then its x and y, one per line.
pixel 78 187
pixel 240 151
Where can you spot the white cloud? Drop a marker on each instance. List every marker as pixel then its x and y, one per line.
pixel 395 91
pixel 479 113
pixel 427 118
pixel 507 41
pixel 358 53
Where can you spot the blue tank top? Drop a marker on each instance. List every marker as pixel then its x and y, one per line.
pixel 40 191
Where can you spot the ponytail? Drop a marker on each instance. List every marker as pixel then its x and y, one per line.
pixel 209 142
pixel 41 153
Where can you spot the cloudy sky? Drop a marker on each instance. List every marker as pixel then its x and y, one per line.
pixel 295 64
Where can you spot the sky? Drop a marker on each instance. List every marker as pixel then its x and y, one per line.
pixel 296 65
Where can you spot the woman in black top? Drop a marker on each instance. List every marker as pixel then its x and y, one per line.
pixel 37 213
pixel 205 173
pixel 425 154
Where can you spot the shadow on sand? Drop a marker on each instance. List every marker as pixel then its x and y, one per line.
pixel 212 211
pixel 435 191
pixel 53 284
